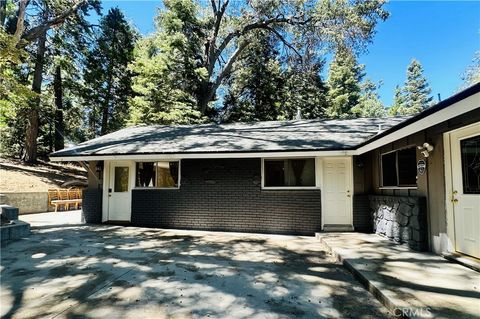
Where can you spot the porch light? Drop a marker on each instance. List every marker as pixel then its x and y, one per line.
pixel 425 149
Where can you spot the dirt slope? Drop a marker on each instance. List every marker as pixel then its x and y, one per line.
pixel 16 176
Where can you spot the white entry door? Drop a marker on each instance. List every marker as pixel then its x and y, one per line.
pixel 119 191
pixel 337 192
pixel 465 148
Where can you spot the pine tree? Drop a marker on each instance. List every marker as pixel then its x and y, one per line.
pixel 305 91
pixel 167 75
pixel 471 75
pixel 398 101
pixel 369 104
pixel 256 87
pixel 344 80
pixel 416 90
pixel 107 78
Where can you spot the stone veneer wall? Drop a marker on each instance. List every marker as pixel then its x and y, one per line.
pixel 402 219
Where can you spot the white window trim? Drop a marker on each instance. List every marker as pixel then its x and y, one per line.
pixel 396 165
pixel 157 188
pixel 283 188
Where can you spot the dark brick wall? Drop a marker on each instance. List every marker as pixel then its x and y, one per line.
pixel 226 195
pixel 92 205
pixel 362 219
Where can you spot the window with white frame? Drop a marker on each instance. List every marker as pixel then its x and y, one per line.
pixel 399 168
pixel 160 174
pixel 298 172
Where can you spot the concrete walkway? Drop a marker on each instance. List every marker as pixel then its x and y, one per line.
pixel 72 217
pixel 413 284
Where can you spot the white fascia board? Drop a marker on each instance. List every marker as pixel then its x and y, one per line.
pixel 466 105
pixel 140 157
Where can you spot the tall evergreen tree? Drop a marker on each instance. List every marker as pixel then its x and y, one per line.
pixel 256 88
pixel 471 75
pixel 107 77
pixel 369 103
pixel 344 90
pixel 215 39
pixel 33 31
pixel 416 90
pixel 15 95
pixel 398 101
pixel 166 68
pixel 305 90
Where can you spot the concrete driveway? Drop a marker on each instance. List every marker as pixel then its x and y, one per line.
pixel 101 271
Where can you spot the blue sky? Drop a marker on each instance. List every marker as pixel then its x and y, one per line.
pixel 442 35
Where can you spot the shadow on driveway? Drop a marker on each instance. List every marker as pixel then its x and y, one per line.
pixel 103 271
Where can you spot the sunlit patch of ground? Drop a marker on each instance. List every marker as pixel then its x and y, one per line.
pixel 127 272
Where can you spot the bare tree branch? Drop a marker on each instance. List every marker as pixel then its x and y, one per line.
pixel 35 32
pixel 284 41
pixel 211 48
pixel 228 67
pixel 264 24
pixel 214 7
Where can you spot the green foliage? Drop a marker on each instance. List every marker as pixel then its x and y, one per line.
pixel 471 75
pixel 107 79
pixel 244 54
pixel 416 92
pixel 256 89
pixel 344 79
pixel 166 73
pixel 304 91
pixel 414 97
pixel 369 104
pixel 15 96
pixel 398 101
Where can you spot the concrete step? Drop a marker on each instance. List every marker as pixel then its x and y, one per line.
pixel 337 228
pixel 410 284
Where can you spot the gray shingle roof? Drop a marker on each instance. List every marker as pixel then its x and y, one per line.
pixel 301 135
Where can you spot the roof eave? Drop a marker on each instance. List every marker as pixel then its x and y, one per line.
pixel 464 102
pixel 219 155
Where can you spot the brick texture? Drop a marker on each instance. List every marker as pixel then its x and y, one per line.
pixel 92 205
pixel 362 219
pixel 226 195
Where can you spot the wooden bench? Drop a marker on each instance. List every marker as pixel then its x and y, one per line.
pixel 65 198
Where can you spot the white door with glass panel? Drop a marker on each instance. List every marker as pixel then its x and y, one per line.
pixel 465 148
pixel 337 193
pixel 119 191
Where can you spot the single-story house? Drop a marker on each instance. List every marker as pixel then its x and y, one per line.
pixel 413 179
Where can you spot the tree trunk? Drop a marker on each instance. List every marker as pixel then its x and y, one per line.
pixel 3 12
pixel 204 96
pixel 33 112
pixel 59 126
pixel 105 112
